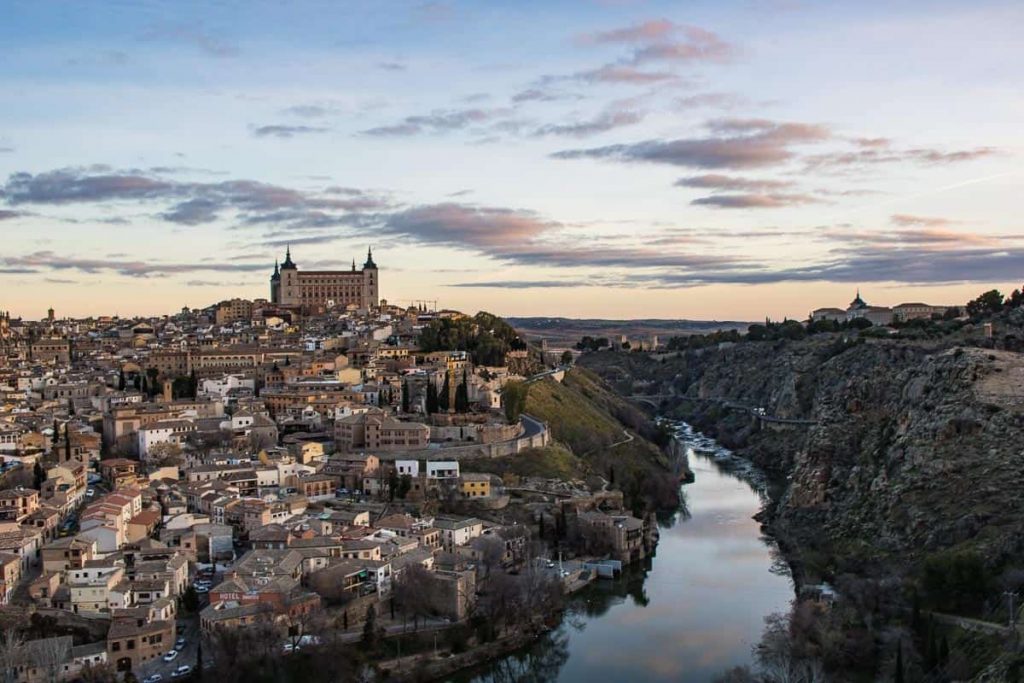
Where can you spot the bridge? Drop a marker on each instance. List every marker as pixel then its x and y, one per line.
pixel 756 412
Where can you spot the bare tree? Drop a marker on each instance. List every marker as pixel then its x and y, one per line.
pixel 10 653
pixel 414 593
pixel 51 654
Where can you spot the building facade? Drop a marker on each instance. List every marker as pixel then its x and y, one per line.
pixel 319 290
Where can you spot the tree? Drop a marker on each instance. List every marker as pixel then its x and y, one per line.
pixel 11 654
pixel 412 593
pixel 121 384
pixel 56 433
pixel 989 302
pixel 190 600
pixel 67 442
pixel 371 636
pixel 567 357
pixel 38 475
pixel 404 486
pixel 462 395
pixel 432 403
pixel 393 483
pixel 51 655
pixel 513 398
pixel 898 676
pixel 442 398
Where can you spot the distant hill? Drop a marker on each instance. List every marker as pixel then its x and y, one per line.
pixel 565 332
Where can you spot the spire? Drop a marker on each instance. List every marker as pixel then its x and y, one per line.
pixel 369 259
pixel 288 259
pixel 353 265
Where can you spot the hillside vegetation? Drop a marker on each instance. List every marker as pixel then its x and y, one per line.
pixel 589 420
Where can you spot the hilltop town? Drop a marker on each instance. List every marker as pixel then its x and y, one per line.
pixel 317 468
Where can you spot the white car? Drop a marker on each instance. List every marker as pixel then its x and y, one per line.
pixel 180 644
pixel 171 656
pixel 89 493
pixel 183 670
pixel 202 589
pixel 155 678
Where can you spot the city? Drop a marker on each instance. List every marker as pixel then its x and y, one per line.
pixel 511 341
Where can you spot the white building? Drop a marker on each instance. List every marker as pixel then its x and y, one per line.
pixel 408 467
pixel 165 431
pixel 443 469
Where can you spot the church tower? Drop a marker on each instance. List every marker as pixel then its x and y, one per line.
pixel 275 285
pixel 371 297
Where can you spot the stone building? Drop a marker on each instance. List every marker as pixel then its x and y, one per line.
pixel 318 290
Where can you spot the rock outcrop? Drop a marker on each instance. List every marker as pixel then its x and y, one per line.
pixel 909 448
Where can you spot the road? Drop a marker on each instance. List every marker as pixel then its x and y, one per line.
pixel 188 628
pixel 531 426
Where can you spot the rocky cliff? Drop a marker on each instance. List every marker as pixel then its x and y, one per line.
pixel 909 448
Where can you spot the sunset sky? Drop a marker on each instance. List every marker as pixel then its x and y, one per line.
pixel 602 158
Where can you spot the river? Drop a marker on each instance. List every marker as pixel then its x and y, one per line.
pixel 694 610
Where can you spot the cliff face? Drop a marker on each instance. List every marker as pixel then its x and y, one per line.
pixel 913 448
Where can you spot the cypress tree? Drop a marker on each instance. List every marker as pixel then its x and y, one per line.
pixel 67 442
pixel 120 380
pixel 56 433
pixel 432 402
pixel 442 399
pixel 405 397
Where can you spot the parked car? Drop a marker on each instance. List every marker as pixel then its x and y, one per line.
pixel 155 678
pixel 171 656
pixel 183 670
pixel 180 643
pixel 89 493
pixel 202 589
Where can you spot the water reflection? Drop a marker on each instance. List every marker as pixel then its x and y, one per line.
pixel 693 610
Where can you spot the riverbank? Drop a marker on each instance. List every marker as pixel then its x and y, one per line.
pixel 691 611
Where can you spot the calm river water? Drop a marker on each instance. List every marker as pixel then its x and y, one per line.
pixel 694 611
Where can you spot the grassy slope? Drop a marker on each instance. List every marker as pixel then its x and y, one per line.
pixel 587 418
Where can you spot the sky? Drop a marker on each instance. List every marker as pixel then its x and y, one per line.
pixel 596 158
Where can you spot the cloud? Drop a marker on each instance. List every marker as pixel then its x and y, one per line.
pixel 602 123
pixel 193 203
pixel 78 185
pixel 755 201
pixel 740 144
pixel 309 111
pixel 524 284
pixel 903 219
pixel 282 131
pixel 542 95
pixel 6 214
pixel 60 281
pixel 461 225
pixel 646 32
pixel 139 269
pixel 194 211
pixel 619 73
pixel 664 40
pixel 438 121
pixel 391 66
pixel 715 181
pixel 194 35
pixel 6 150
pixel 714 100
pixel 884 154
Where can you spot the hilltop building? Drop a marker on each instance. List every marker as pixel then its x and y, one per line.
pixel 878 315
pixel 319 290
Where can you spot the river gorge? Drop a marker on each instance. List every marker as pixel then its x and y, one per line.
pixel 692 611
